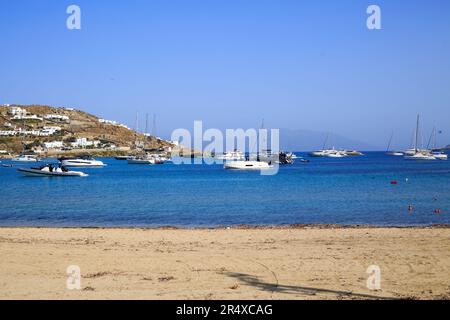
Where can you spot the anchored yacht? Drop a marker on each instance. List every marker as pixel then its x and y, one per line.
pixel 84 161
pixel 247 165
pixel 26 158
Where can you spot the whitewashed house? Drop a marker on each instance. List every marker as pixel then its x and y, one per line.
pixel 54 145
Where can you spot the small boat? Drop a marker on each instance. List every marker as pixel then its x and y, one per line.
pixel 395 153
pixel 51 170
pixel 439 155
pixel 141 160
pixel 26 158
pixel 123 157
pixel 292 155
pixel 247 165
pixel 83 161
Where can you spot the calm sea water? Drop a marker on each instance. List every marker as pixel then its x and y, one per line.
pixel 343 191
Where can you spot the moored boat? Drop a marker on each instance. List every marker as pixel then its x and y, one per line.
pixel 83 161
pixel 25 158
pixel 51 170
pixel 247 165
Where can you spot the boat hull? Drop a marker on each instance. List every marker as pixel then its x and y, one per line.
pixel 82 163
pixel 247 165
pixel 39 173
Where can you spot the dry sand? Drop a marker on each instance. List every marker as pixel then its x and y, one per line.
pixel 304 263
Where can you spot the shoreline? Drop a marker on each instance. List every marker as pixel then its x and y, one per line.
pixel 242 264
pixel 318 226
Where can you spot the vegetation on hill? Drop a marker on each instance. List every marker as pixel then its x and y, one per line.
pixel 80 124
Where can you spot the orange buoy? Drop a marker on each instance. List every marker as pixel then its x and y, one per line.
pixel 437 211
pixel 394 182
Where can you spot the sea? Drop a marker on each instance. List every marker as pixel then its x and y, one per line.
pixel 375 189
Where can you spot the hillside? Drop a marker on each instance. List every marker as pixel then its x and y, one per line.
pixel 35 125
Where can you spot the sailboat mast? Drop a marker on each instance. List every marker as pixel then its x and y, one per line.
pixel 417 133
pixel 325 142
pixel 390 141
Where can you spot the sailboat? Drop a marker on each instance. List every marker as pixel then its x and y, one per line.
pixel 419 154
pixel 435 152
pixel 393 153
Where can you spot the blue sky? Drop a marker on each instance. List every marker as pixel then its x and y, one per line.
pixel 299 64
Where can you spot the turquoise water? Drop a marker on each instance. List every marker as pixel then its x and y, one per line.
pixel 343 191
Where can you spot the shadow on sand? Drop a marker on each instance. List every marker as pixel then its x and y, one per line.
pixel 288 289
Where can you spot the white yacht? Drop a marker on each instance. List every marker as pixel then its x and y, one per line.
pixel 51 170
pixel 247 165
pixel 26 158
pixel 84 161
pixel 231 156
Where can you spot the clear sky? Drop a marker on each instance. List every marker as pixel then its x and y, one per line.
pixel 298 64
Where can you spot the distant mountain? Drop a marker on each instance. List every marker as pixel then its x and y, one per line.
pixel 307 140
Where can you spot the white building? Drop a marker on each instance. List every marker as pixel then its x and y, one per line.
pixel 56 117
pixel 27 117
pixel 54 145
pixel 48 131
pixel 84 142
pixel 17 111
pixel 115 123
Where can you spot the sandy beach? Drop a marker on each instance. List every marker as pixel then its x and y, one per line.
pixel 272 263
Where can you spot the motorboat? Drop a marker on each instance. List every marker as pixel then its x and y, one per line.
pixel 328 153
pixel 141 160
pixel 439 155
pixel 26 158
pixel 247 165
pixel 395 153
pixel 123 157
pixel 51 170
pixel 292 155
pixel 231 156
pixel 353 153
pixel 83 161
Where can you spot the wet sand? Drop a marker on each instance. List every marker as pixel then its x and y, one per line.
pixel 266 263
